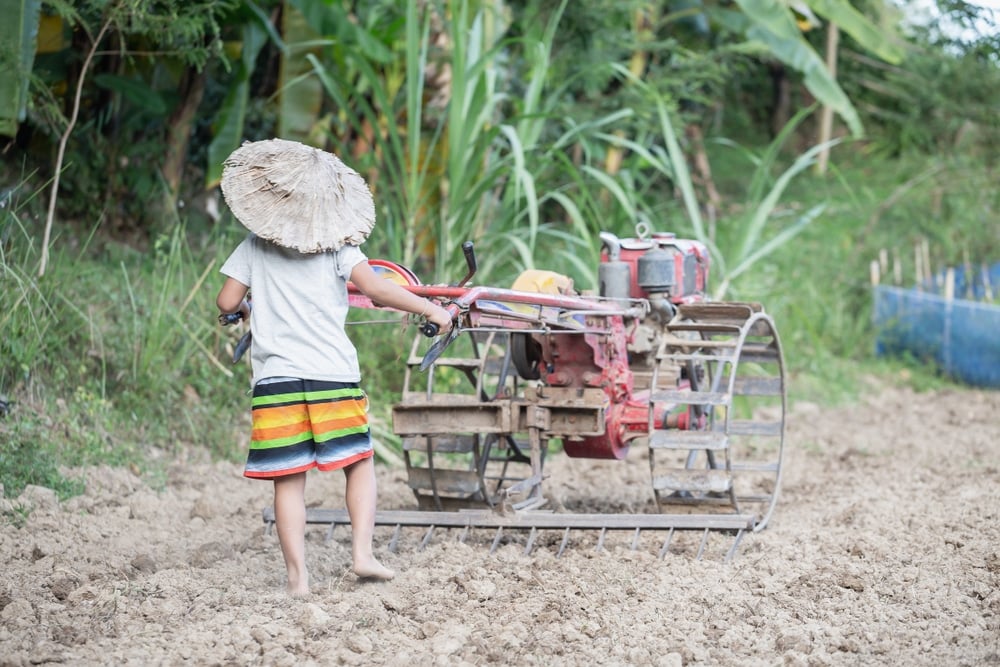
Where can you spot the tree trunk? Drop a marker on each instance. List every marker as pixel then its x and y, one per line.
pixel 179 127
pixel 781 105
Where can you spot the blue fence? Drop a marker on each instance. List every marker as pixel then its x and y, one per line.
pixel 962 337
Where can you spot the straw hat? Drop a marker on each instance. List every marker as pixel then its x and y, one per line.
pixel 297 196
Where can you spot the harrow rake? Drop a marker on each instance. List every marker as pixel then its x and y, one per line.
pixel 534 523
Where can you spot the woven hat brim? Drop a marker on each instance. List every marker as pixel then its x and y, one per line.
pixel 297 196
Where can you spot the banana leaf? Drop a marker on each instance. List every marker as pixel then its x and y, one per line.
pixel 871 37
pixel 18 33
pixel 774 27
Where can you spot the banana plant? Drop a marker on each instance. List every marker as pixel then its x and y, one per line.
pixel 771 28
pixel 227 127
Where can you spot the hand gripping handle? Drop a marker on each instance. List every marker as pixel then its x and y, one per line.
pixel 430 329
pixel 225 319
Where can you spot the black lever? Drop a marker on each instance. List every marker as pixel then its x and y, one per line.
pixel 470 259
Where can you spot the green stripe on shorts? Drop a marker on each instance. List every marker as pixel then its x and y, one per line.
pixel 341 432
pixel 309 396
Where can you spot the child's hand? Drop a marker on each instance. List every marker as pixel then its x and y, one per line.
pixel 440 317
pixel 225 319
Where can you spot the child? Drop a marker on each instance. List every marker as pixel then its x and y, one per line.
pixel 308 409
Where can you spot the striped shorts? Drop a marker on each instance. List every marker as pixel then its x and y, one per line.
pixel 303 424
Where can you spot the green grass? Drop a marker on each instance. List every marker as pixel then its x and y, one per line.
pixel 114 357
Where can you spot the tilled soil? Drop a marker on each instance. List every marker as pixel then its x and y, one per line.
pixel 884 549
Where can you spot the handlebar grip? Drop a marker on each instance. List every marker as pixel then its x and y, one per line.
pixel 430 329
pixel 225 319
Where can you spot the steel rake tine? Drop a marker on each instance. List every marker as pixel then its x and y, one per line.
pixel 635 539
pixel 600 539
pixel 427 537
pixel 329 532
pixel 395 538
pixel 736 544
pixel 531 541
pixel 496 539
pixel 701 547
pixel 562 545
pixel 666 544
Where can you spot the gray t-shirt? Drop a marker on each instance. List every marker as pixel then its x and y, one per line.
pixel 299 310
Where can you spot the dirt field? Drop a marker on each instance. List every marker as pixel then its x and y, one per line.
pixel 884 550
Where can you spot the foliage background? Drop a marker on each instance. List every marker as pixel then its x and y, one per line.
pixel 526 126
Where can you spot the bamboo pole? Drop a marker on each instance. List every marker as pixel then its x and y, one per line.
pixel 925 249
pixel 949 284
pixel 826 113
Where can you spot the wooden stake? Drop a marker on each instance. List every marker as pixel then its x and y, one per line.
pixel 967 266
pixel 925 248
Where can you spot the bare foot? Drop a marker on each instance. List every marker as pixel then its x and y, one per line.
pixel 372 569
pixel 298 592
pixel 298 587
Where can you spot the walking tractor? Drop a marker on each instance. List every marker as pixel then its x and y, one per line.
pixel 650 359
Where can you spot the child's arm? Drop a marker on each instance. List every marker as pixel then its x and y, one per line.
pixel 388 293
pixel 232 298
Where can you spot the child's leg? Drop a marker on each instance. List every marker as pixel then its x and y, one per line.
pixel 290 521
pixel 361 507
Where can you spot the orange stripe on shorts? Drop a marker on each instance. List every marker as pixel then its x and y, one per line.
pixel 279 422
